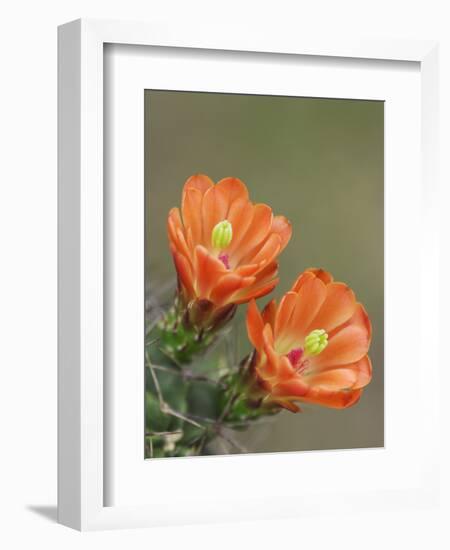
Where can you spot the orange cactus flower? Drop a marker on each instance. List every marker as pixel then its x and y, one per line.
pixel 313 346
pixel 224 247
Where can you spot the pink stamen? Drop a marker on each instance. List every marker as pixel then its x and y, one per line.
pixel 295 357
pixel 224 259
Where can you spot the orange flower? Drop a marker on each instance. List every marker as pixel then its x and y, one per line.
pixel 224 246
pixel 313 346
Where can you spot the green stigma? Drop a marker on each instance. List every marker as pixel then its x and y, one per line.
pixel 221 235
pixel 316 342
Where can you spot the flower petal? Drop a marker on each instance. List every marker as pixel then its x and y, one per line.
pixel 267 272
pixel 246 244
pixel 231 190
pixel 214 210
pixel 334 379
pixel 217 202
pixel 338 307
pixel 269 251
pixel 208 270
pixel 255 291
pixel 268 336
pixel 301 280
pixel 310 298
pixel 293 388
pixel 269 366
pixel 285 370
pixel 323 275
pixel 362 374
pixel 184 271
pixel 174 224
pixel 255 325
pixel 358 319
pixel 269 313
pixel 190 207
pixel 347 346
pixel 248 269
pixel 174 219
pixel 200 182
pixel 332 399
pixel 182 245
pixel 282 226
pixel 284 313
pixel 240 216
pixel 227 285
pixel 364 369
pixel 265 282
pixel 361 319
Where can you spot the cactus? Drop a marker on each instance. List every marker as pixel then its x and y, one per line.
pixel 195 389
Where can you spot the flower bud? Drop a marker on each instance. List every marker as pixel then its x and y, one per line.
pixel 221 235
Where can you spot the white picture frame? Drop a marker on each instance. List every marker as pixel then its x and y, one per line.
pixel 82 483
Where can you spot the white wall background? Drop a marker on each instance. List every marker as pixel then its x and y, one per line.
pixel 28 269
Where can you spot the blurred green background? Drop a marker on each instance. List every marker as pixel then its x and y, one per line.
pixel 320 163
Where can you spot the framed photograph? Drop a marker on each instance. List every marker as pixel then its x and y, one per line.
pixel 247 235
pixel 202 319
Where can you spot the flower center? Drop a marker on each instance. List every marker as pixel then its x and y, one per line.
pixel 295 356
pixel 224 259
pixel 221 235
pixel 297 359
pixel 316 342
